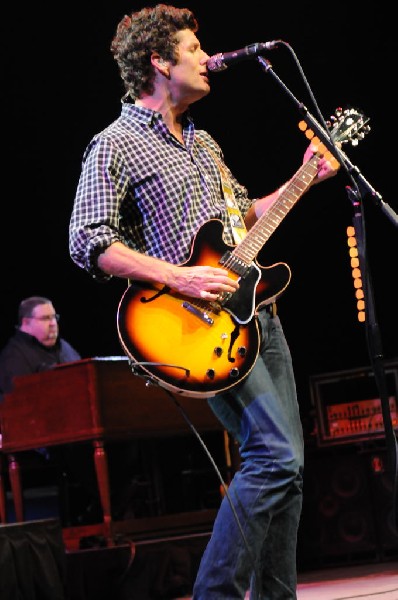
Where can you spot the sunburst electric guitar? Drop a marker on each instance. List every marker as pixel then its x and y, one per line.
pixel 199 348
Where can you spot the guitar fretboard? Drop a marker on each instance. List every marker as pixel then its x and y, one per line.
pixel 264 227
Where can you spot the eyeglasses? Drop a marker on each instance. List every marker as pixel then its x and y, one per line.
pixel 45 318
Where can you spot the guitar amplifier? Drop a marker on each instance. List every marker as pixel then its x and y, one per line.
pixel 348 405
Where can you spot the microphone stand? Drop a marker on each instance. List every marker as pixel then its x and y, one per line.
pixel 361 188
pixel 352 171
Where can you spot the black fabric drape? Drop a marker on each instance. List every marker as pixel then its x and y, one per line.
pixel 32 561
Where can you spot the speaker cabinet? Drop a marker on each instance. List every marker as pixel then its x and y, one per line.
pixel 347 509
pixel 384 512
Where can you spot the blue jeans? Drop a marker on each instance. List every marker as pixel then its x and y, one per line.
pixel 262 413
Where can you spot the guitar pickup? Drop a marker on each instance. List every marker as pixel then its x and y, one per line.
pixel 235 264
pixel 202 315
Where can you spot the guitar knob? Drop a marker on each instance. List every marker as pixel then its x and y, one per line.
pixel 218 350
pixel 242 351
pixel 210 373
pixel 234 373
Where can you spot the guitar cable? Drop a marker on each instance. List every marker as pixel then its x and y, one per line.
pixel 136 371
pixel 223 484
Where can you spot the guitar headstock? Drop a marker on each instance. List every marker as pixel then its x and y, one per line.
pixel 349 125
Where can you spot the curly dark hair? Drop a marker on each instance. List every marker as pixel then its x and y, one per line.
pixel 142 33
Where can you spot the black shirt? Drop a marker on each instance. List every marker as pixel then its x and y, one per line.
pixel 24 354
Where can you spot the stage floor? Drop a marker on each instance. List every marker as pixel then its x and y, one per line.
pixel 359 582
pixel 365 582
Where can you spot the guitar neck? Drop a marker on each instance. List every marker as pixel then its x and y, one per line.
pixel 264 227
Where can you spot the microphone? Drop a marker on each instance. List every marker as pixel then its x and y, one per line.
pixel 221 61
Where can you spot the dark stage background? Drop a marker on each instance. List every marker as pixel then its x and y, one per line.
pixel 62 86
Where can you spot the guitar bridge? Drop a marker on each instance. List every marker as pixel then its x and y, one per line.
pixel 201 314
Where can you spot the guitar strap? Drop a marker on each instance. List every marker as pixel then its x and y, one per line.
pixel 237 223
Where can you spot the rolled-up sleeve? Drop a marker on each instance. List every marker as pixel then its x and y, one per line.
pixel 94 223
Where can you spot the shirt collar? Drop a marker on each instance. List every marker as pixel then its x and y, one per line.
pixel 147 116
pixel 35 342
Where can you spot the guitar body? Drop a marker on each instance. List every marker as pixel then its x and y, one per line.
pixel 190 346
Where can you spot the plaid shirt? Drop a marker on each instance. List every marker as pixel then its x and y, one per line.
pixel 140 186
